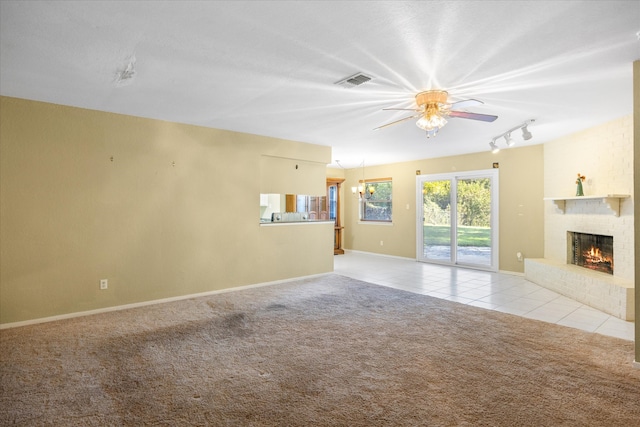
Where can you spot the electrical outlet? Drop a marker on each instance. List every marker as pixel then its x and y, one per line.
pixel 381 243
pixel 519 256
pixel 104 284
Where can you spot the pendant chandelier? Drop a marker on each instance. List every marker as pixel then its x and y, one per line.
pixel 362 190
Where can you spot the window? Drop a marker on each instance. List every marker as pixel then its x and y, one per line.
pixel 375 204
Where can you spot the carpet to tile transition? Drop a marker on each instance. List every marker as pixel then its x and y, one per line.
pixel 328 351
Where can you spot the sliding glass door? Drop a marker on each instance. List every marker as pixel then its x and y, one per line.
pixel 435 220
pixel 457 222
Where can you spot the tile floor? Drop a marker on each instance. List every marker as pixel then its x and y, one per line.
pixel 508 293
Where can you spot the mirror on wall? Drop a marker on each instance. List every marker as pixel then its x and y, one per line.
pixel 295 208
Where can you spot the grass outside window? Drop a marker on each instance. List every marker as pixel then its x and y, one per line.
pixel 440 235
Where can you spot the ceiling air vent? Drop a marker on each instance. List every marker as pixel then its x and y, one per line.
pixel 353 81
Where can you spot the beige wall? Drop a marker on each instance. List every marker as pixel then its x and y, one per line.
pixel 159 209
pixel 521 205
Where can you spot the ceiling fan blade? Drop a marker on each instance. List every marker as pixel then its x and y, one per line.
pixel 473 116
pixel 466 103
pixel 401 109
pixel 397 121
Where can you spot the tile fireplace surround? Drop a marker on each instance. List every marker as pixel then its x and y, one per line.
pixel 613 294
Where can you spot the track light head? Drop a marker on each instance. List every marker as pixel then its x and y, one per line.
pixel 526 135
pixel 494 147
pixel 510 142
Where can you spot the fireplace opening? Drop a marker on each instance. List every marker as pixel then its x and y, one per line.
pixel 592 251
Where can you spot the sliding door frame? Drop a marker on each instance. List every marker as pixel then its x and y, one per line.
pixel 493 175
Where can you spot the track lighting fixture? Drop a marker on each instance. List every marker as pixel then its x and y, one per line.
pixel 508 139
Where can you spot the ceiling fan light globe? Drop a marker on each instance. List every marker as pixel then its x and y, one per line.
pixel 424 124
pixel 439 121
pixel 431 122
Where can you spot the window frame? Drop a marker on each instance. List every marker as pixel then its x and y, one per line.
pixel 362 201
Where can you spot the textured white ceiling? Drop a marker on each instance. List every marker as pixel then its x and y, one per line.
pixel 269 67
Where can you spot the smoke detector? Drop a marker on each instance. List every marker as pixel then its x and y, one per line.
pixel 353 81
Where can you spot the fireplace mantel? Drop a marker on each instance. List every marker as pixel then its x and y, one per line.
pixel 611 200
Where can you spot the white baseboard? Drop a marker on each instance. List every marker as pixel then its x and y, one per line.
pixel 377 254
pixel 152 302
pixel 513 273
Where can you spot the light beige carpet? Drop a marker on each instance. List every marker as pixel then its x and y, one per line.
pixel 330 351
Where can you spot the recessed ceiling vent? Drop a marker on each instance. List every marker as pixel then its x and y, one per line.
pixel 353 81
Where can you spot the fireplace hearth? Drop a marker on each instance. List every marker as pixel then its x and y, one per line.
pixel 592 251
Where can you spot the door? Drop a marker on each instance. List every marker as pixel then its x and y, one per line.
pixel 457 221
pixel 333 211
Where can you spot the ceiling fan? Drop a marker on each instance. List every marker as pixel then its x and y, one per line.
pixel 432 108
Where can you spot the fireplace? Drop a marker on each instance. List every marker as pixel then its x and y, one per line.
pixel 592 251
